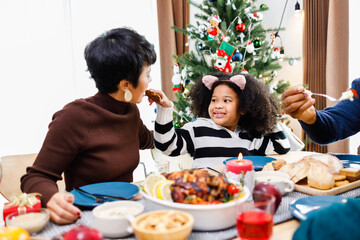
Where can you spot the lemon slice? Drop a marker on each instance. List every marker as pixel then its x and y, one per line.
pixel 151 180
pixel 163 190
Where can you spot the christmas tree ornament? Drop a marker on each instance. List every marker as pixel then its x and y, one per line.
pixel 244 71
pixel 276 53
pixel 212 1
pixel 227 39
pixel 187 81
pixel 241 36
pixel 224 55
pixel 214 29
pixel 272 37
pixel 292 61
pixel 264 7
pixel 256 16
pixel 257 43
pixel 237 57
pixel 250 47
pixel 241 27
pixel 176 79
pixel 177 125
pixel 200 47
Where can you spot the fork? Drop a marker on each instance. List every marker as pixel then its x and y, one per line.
pixel 99 198
pixel 320 94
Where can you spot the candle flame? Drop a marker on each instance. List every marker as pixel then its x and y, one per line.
pixel 240 159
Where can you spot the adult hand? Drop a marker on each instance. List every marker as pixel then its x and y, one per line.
pixel 62 210
pixel 299 105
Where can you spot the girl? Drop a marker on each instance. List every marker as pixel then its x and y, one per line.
pixel 234 113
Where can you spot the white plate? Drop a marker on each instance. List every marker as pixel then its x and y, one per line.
pixel 207 217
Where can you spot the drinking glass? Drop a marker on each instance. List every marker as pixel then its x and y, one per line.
pixel 255 218
pixel 162 167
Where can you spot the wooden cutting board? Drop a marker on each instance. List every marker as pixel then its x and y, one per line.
pixel 304 188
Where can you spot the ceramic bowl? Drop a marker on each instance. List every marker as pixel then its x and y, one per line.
pixel 180 232
pixel 207 217
pixel 32 222
pixel 277 178
pixel 113 218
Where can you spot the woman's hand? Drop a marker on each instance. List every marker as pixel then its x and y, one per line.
pixel 165 101
pixel 299 105
pixel 62 210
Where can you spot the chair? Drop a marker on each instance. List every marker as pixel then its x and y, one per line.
pixel 13 167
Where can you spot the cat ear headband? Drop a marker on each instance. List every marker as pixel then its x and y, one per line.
pixel 239 80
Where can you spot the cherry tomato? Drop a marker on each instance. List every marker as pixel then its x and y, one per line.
pixel 232 189
pixel 216 202
pixel 13 233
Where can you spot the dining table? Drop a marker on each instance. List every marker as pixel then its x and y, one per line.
pixel 285 224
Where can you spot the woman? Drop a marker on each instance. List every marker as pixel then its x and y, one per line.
pixel 96 139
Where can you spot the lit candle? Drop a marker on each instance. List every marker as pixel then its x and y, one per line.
pixel 240 165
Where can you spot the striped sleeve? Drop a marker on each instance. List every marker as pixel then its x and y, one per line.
pixel 274 142
pixel 171 141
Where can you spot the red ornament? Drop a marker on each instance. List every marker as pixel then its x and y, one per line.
pixel 255 14
pixel 240 27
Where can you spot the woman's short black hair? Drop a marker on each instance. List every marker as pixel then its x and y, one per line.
pixel 257 106
pixel 118 54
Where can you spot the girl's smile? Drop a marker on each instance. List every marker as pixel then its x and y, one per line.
pixel 223 108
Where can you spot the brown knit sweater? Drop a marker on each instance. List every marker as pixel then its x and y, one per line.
pixel 91 140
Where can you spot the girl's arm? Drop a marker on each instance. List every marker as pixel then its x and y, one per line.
pixel 168 140
pixel 275 142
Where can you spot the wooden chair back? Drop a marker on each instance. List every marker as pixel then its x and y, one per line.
pixel 13 167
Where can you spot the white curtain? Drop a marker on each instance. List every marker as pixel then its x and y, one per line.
pixel 354 53
pixel 42 64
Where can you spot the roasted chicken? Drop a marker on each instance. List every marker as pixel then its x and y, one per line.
pixel 196 186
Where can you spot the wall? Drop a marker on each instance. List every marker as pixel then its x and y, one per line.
pixel 354 70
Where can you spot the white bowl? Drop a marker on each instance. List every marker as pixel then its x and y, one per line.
pixel 31 221
pixel 207 217
pixel 114 219
pixel 280 179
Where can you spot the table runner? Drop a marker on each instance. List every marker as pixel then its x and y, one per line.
pixel 282 214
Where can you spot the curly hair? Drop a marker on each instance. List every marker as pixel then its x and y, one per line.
pixel 257 106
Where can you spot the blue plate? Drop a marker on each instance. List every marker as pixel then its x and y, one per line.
pixel 302 208
pixel 258 161
pixel 114 189
pixel 347 159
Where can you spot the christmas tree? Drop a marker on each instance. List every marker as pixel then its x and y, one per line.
pixel 229 37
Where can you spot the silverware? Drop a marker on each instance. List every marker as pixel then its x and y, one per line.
pixel 99 198
pixel 320 94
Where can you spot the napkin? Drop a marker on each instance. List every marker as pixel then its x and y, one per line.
pixel 338 221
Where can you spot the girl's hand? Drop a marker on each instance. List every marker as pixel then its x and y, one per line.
pixel 62 210
pixel 299 105
pixel 165 102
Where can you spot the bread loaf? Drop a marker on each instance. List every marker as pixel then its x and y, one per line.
pixel 319 177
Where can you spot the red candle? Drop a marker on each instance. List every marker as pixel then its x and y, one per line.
pixel 240 165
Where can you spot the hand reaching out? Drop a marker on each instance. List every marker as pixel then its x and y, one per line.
pixel 298 104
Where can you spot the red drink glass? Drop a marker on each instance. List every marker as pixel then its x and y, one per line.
pixel 255 219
